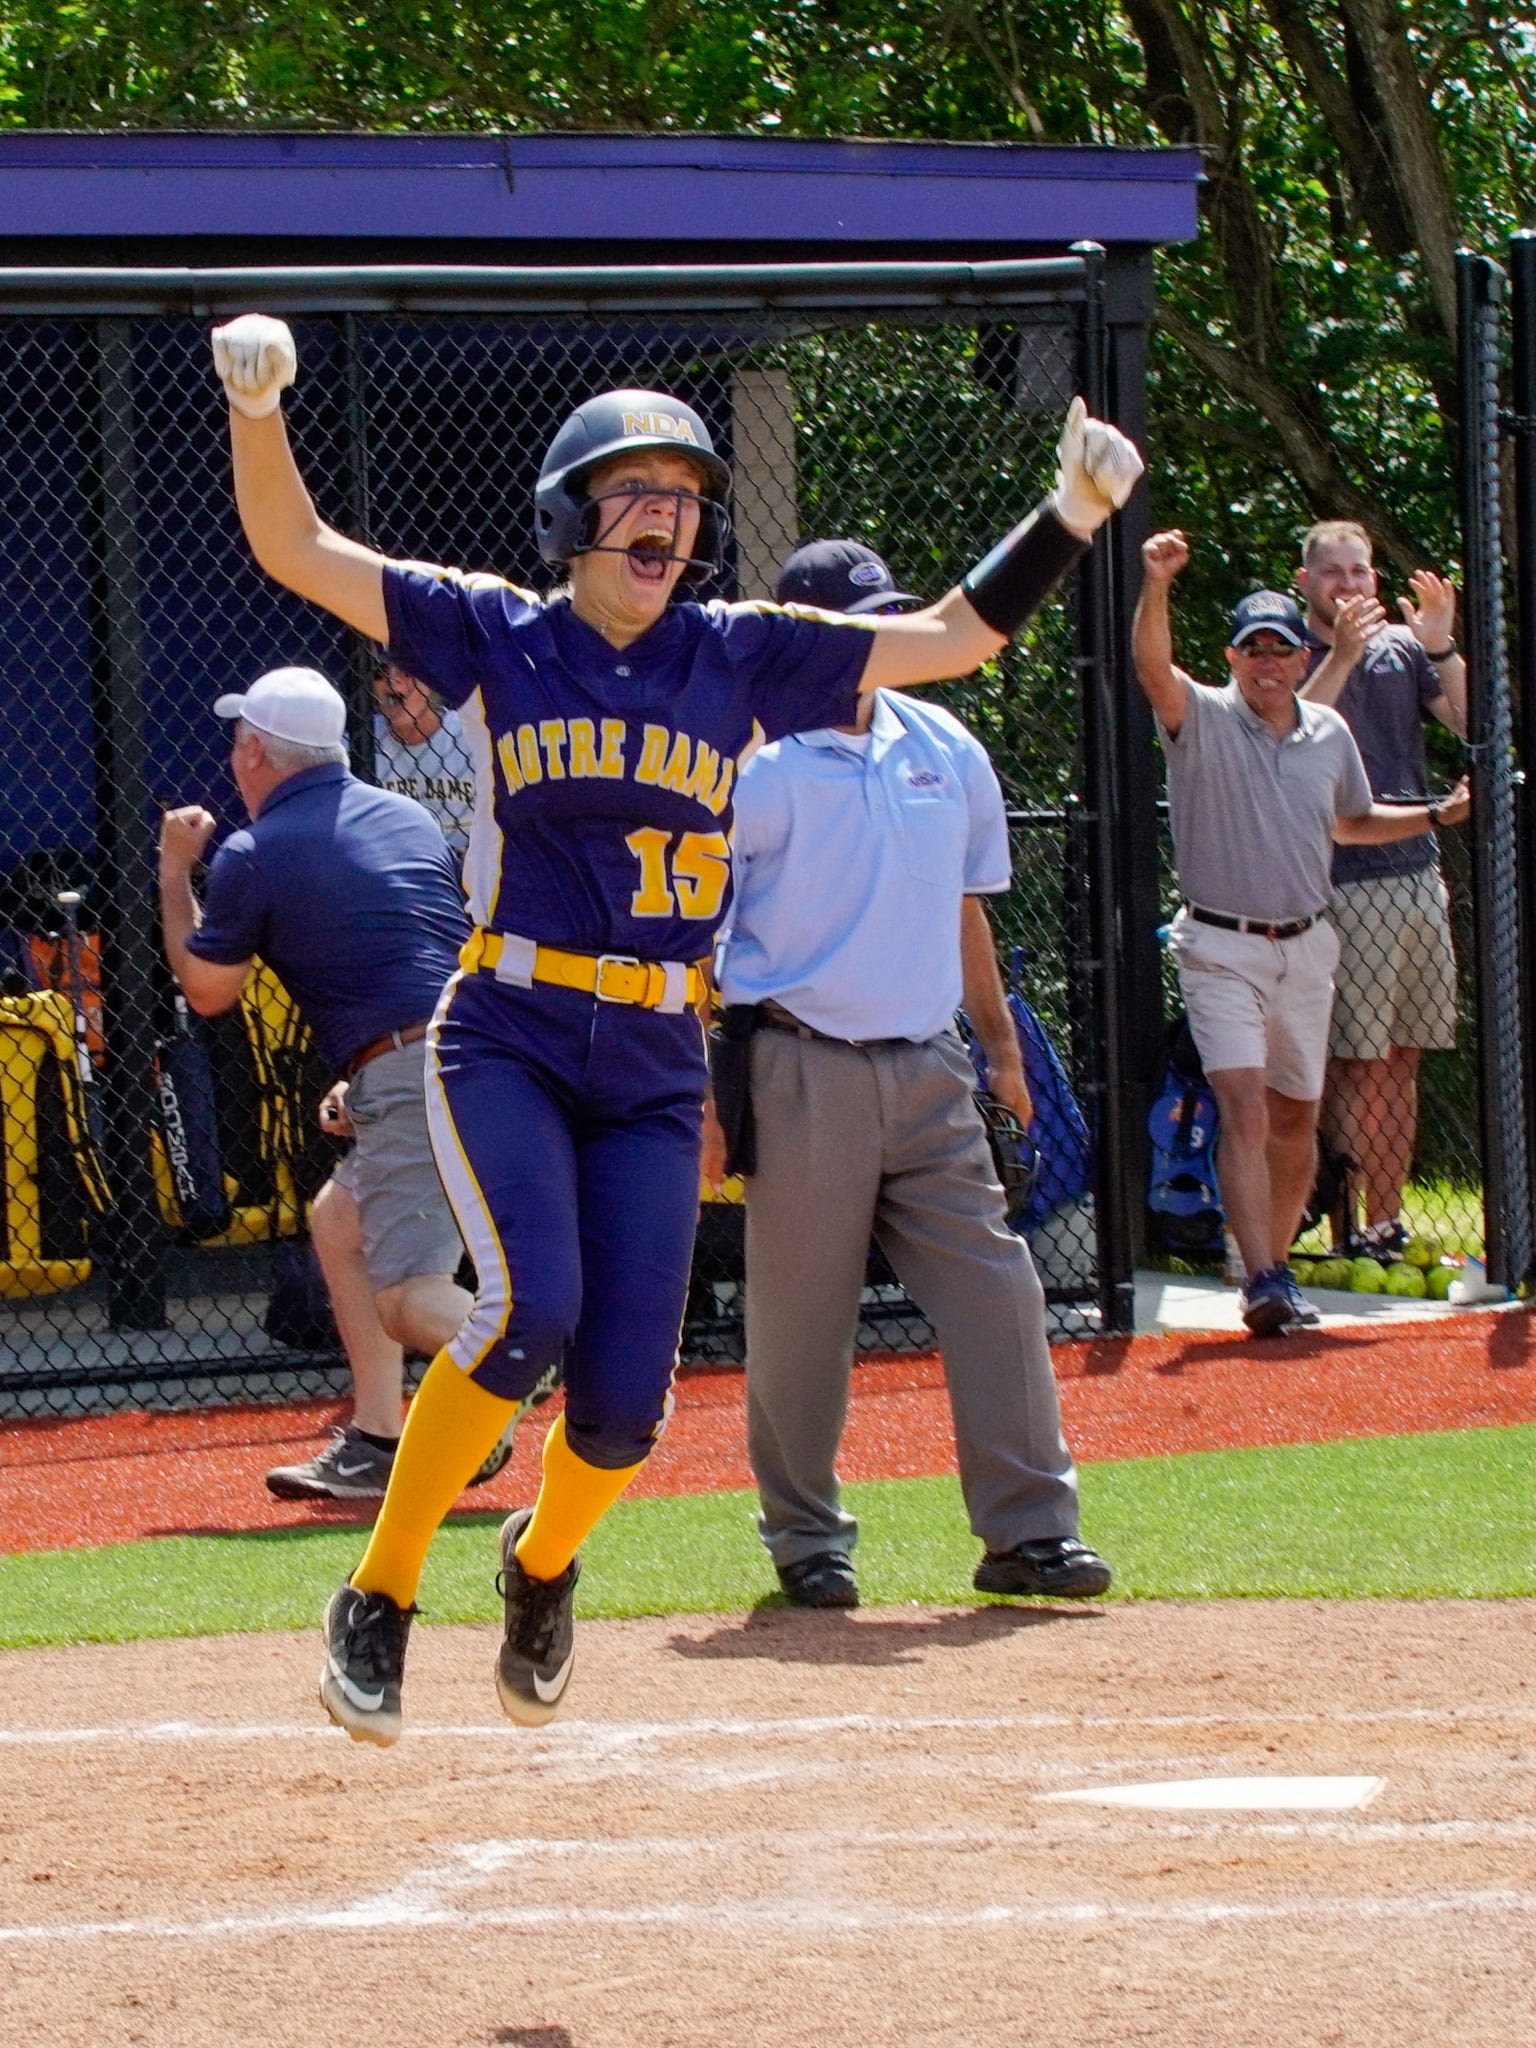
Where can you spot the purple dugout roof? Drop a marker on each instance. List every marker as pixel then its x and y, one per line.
pixel 613 188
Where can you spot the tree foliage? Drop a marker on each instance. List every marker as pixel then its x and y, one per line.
pixel 1304 363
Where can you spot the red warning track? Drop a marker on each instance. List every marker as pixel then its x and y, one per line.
pixel 115 1478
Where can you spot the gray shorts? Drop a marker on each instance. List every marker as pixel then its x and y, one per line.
pixel 408 1227
pixel 1396 978
pixel 1256 1002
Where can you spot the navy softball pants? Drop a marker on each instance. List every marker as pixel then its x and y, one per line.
pixel 567 1134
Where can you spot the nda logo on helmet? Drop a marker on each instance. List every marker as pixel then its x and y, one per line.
pixel 660 426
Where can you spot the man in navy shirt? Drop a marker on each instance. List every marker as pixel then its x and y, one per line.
pixel 350 895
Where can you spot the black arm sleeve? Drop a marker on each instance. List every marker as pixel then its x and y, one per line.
pixel 1011 583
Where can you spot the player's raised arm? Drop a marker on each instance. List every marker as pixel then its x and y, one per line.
pixel 256 361
pixel 1097 471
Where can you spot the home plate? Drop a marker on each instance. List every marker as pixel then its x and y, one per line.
pixel 1235 1795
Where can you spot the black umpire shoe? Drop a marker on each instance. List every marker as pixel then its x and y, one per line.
pixel 825 1580
pixel 365 1635
pixel 1059 1567
pixel 533 1667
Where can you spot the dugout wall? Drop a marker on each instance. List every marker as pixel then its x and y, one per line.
pixel 915 405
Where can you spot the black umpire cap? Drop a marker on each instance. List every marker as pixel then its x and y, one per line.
pixel 840 576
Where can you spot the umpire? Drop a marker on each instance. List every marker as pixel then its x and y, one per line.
pixel 859 858
pixel 349 893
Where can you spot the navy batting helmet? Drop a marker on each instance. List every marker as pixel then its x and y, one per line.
pixel 565 520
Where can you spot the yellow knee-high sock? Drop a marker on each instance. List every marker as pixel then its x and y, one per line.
pixel 450 1428
pixel 572 1501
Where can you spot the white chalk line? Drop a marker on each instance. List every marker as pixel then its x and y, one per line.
pixel 404 1910
pixel 589 1738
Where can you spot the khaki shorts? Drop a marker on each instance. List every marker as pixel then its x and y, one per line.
pixel 407 1225
pixel 1396 978
pixel 1256 1002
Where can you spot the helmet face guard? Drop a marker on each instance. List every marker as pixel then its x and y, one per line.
pixel 567 522
pixel 1014 1158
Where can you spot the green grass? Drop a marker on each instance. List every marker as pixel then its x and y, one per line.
pixel 1412 1517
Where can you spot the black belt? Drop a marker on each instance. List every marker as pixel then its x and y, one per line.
pixel 773 1016
pixel 1254 925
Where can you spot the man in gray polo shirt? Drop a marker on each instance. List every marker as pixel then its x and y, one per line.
pixel 1260 788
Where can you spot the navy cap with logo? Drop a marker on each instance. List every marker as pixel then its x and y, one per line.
pixel 839 576
pixel 1267 611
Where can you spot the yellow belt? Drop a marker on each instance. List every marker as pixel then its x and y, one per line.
pixel 610 977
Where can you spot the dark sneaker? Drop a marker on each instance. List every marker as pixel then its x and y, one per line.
pixel 533 1668
pixel 349 1468
pixel 503 1447
pixel 499 1454
pixel 1304 1316
pixel 1059 1567
pixel 825 1580
pixel 365 1637
pixel 1267 1303
pixel 1383 1241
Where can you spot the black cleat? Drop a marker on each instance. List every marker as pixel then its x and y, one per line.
pixel 825 1580
pixel 365 1635
pixel 533 1667
pixel 1058 1567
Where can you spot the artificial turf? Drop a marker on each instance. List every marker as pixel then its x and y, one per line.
pixel 1407 1517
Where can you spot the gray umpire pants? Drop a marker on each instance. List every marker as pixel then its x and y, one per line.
pixel 851 1138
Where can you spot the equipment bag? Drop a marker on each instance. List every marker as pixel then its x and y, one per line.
pixel 53 1178
pixel 1183 1197
pixel 1063 1166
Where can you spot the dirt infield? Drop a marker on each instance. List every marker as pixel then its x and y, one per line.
pixel 113 1478
pixel 786 1829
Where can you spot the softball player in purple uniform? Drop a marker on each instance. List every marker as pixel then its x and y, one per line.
pixel 565 1063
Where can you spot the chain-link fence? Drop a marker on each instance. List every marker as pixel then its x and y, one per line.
pixel 158 1169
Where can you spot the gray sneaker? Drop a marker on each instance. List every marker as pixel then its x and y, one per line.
pixel 533 1667
pixel 365 1637
pixel 349 1468
pixel 502 1450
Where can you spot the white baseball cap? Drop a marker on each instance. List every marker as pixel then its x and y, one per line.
pixel 295 704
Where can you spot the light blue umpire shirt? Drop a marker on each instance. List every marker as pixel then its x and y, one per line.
pixel 850 856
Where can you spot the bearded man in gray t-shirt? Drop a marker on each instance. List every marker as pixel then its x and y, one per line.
pixel 1395 995
pixel 1261 787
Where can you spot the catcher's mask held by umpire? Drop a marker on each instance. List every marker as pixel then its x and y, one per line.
pixel 568 523
pixel 1013 1154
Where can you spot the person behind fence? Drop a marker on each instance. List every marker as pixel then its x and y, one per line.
pixel 349 894
pixel 1261 785
pixel 1395 988
pixel 566 1060
pixel 419 750
pixel 861 857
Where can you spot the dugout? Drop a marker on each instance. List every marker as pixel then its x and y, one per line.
pixel 883 336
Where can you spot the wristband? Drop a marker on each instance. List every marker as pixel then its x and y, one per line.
pixel 1011 583
pixel 1444 654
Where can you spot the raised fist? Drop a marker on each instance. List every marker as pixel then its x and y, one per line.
pixel 1097 469
pixel 256 361
pixel 1164 556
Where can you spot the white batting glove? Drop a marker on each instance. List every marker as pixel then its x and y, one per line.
pixel 256 361
pixel 1097 469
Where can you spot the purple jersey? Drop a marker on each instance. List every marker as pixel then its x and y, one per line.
pixel 604 776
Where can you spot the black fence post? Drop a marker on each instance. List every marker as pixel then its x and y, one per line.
pixel 361 658
pixel 1522 427
pixel 1098 668
pixel 1495 857
pixel 131 1235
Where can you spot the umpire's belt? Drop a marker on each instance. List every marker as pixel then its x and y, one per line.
pixel 392 1041
pixel 1254 925
pixel 668 985
pixel 772 1016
